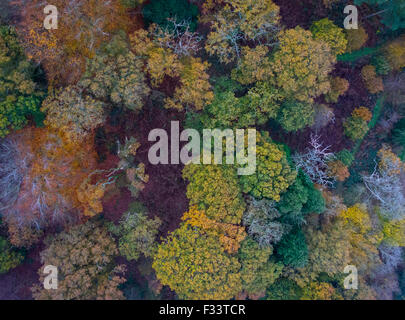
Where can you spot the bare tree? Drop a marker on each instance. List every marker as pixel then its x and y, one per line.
pixel 386 186
pixel 314 162
pixel 178 37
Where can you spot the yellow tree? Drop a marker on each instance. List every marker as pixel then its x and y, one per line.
pixel 302 65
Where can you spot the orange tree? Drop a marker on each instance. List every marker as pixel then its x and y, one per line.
pixel 82 26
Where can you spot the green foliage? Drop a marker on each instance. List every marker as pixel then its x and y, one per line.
pixel 392 12
pixel 159 11
pixel 293 249
pixel 284 289
pixel 116 74
pixel 273 173
pixel 215 189
pixel 19 95
pixel 228 111
pixel 9 258
pixel 195 265
pixel 381 64
pixel 137 234
pixel 257 272
pixel 355 128
pixel 295 115
pixel 398 133
pixel 301 198
pixel 334 36
pixel 346 157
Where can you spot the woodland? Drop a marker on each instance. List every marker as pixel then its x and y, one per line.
pixel 77 190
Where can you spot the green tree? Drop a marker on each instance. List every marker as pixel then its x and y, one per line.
pixel 293 249
pixel 295 115
pixel 334 36
pixel 355 128
pixel 195 265
pixel 215 189
pixel 116 74
pixel 20 96
pixel 137 234
pixel 273 173
pixel 301 65
pixel 301 198
pixel 159 11
pixel 257 272
pixel 9 258
pixel 255 108
pixel 284 289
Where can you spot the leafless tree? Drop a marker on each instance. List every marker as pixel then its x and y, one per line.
pixel 179 38
pixel 387 188
pixel 314 162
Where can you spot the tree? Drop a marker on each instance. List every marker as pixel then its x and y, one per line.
pixel 137 234
pixel 73 112
pixel 254 65
pixel 215 189
pixel 339 86
pixel 385 185
pixel 356 38
pixel 194 90
pixel 295 115
pixel 20 96
pixel 135 175
pixel 301 65
pixel 239 21
pixel 194 264
pixel 373 83
pixel 273 173
pixel 257 272
pixel 337 170
pixel 229 235
pixel 85 25
pixel 334 36
pixel 115 74
pixel 260 221
pixel 178 37
pixel 84 256
pixel 356 127
pixel 255 108
pixel 162 11
pixel 301 198
pixel 284 289
pixel 9 258
pixel 293 249
pixel 42 174
pixel 392 12
pixel 319 291
pixel 314 161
